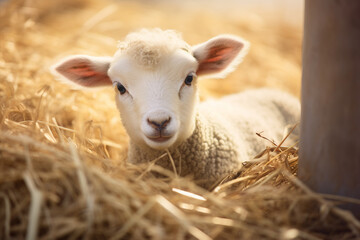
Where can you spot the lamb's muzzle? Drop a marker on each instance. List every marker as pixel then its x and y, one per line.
pixel 159 126
pixel 160 134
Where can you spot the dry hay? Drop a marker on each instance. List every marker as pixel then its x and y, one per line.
pixel 63 173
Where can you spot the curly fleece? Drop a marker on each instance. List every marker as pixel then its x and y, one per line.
pixel 147 46
pixel 225 134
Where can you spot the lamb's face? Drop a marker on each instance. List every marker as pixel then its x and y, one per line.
pixel 154 75
pixel 157 105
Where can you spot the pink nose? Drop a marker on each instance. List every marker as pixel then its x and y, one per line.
pixel 159 124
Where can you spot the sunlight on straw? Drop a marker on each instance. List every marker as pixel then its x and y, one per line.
pixel 260 182
pixel 229 183
pixel 188 194
pixel 106 143
pixel 150 166
pixel 188 206
pixel 172 163
pixel 168 206
pixel 198 233
pixel 84 186
pixel 242 212
pixel 223 221
pixel 50 133
pixel 134 219
pixel 290 233
pixel 286 150
pixel 56 125
pixel 173 210
pixel 7 121
pixel 288 134
pixel 35 208
pixel 45 134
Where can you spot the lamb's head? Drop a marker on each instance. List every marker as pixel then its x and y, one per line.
pixel 154 74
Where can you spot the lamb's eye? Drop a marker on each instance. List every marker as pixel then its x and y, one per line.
pixel 189 78
pixel 121 88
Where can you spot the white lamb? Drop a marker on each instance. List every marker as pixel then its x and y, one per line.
pixel 154 73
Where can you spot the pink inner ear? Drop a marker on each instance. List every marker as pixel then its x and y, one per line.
pixel 85 72
pixel 218 53
pixel 218 58
pixel 82 70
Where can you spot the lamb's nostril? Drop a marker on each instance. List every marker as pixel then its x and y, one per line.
pixel 153 124
pixel 158 124
pixel 165 122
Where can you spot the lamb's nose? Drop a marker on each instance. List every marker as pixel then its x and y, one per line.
pixel 159 124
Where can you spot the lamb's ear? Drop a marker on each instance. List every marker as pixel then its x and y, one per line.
pixel 85 71
pixel 220 55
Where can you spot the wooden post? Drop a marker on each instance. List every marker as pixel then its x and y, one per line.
pixel 330 126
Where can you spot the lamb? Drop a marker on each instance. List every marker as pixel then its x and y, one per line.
pixel 154 74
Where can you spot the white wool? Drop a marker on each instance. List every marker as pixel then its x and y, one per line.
pixel 147 46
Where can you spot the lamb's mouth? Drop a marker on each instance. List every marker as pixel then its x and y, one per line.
pixel 159 138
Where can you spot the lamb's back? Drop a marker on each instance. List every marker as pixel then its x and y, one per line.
pixel 242 115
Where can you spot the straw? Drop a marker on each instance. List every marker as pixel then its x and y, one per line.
pixel 63 153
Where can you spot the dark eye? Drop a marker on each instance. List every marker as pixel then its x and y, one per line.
pixel 121 88
pixel 189 78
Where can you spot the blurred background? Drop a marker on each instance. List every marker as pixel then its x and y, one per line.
pixel 36 33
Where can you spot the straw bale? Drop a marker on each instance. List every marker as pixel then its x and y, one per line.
pixel 63 170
